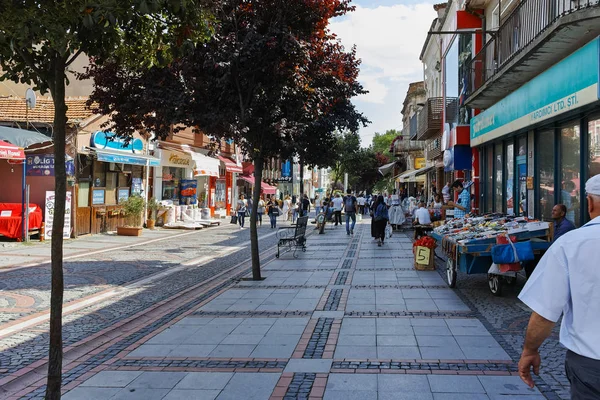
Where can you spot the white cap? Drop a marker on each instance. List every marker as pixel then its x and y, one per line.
pixel 592 186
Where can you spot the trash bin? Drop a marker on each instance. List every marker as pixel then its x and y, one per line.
pixel 205 213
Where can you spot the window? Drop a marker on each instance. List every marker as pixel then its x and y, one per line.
pixel 594 148
pixel 545 154
pixel 510 179
pixel 489 182
pixel 570 142
pixel 498 174
pixel 171 176
pixel 522 175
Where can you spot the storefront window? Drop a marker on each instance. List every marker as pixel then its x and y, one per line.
pixel 489 183
pixel 99 174
pixel 498 173
pixel 570 141
pixel 510 178
pixel 452 90
pixel 522 174
pixel 171 176
pixel 594 148
pixel 546 156
pixel 220 194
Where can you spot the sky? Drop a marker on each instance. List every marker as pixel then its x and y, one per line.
pixel 389 35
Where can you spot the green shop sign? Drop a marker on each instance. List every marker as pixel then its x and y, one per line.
pixel 569 84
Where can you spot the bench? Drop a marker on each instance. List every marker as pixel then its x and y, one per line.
pixel 295 240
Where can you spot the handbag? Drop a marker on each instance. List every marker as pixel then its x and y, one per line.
pixel 233 219
pixel 388 231
pixel 512 252
pixel 276 211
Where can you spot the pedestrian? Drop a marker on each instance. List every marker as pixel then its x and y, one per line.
pixel 446 193
pixel 372 209
pixel 242 207
pixel 367 208
pixel 567 282
pixel 273 211
pixel 295 209
pixel 336 204
pixel 360 200
pixel 287 207
pixel 350 208
pixel 261 209
pixel 463 205
pixel 381 217
pixel 317 205
pixel 304 206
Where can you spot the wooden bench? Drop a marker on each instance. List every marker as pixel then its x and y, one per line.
pixel 295 240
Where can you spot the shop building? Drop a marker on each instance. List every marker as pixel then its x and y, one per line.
pixel 538 134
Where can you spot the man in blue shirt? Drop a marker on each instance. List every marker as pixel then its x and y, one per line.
pixel 463 205
pixel 567 283
pixel 561 224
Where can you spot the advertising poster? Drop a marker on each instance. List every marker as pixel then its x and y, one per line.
pixel 40 165
pixel 49 208
pixel 188 189
pixel 136 186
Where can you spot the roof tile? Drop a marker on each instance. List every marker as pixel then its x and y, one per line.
pixel 13 109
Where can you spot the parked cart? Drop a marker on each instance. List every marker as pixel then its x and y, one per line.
pixel 473 256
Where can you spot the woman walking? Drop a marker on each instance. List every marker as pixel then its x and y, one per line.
pixel 273 211
pixel 242 207
pixel 381 217
pixel 261 210
pixel 287 205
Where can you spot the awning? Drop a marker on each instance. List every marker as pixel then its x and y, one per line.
pixel 124 158
pixel 265 187
pixel 230 166
pixel 410 176
pixel 205 166
pixel 423 171
pixel 387 168
pixel 11 152
pixel 22 137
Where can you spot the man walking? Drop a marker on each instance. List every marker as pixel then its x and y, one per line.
pixel 336 203
pixel 304 206
pixel 567 282
pixel 350 207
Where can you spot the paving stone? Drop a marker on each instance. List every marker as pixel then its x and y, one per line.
pixel 455 384
pixel 352 382
pixel 302 365
pixel 349 395
pixel 204 380
pixel 157 380
pixel 136 394
pixel 91 393
pixel 187 394
pixel 112 379
pixel 506 385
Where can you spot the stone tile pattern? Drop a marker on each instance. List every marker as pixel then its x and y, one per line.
pixel 300 386
pixel 143 363
pixel 341 278
pixel 318 340
pixel 333 300
pixel 447 366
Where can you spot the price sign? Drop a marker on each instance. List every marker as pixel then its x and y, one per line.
pixel 423 254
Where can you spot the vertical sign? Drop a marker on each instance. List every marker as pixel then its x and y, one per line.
pixel 50 199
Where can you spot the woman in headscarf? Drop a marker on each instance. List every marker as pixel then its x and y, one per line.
pixel 381 218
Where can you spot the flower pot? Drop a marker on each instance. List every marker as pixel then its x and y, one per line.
pixel 150 224
pixel 129 231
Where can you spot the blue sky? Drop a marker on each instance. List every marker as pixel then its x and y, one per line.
pixel 389 35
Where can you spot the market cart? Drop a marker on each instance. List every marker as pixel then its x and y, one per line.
pixel 473 256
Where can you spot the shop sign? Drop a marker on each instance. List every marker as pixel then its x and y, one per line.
pixel 283 179
pixel 40 165
pixel 188 189
pixel 98 196
pixel 136 185
pixel 568 85
pixel 110 141
pixel 50 200
pixel 420 163
pixel 123 195
pixel 174 159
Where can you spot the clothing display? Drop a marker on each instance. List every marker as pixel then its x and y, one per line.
pixel 396 214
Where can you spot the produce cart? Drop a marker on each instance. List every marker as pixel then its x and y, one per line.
pixel 473 255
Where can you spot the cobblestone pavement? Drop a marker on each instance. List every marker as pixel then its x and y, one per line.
pixel 344 320
pixel 25 291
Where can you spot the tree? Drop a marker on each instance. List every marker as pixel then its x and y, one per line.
pixel 382 142
pixel 38 42
pixel 249 83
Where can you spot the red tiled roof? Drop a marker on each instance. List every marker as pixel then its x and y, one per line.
pixel 13 109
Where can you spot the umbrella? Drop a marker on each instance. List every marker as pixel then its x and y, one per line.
pixel 21 137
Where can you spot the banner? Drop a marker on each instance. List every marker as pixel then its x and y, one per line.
pixel 40 165
pixel 50 215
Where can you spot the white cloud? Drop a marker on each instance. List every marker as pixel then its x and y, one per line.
pixel 389 40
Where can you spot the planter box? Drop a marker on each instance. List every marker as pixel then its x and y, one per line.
pixel 128 231
pixel 424 259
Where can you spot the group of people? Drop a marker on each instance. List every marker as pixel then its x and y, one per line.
pixel 273 208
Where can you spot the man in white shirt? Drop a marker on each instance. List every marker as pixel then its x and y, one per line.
pixel 566 282
pixel 336 203
pixel 422 216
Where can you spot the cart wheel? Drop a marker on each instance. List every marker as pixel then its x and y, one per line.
pixel 495 283
pixel 511 280
pixel 451 272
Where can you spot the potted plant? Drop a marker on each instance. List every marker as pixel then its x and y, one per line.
pixel 133 208
pixel 152 208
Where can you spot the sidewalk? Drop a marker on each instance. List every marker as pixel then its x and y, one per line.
pixel 346 320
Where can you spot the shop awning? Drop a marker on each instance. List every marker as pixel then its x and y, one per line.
pixel 205 165
pixel 124 158
pixel 230 166
pixel 410 176
pixel 22 137
pixel 423 170
pixel 11 152
pixel 265 187
pixel 387 168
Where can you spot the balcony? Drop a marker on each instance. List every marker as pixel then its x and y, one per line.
pixel 402 147
pixel 536 35
pixel 413 127
pixel 433 148
pixel 431 117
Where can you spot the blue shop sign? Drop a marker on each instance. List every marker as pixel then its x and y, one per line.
pixel 110 141
pixel 569 84
pixel 125 159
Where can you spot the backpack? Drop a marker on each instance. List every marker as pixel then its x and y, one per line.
pixel 349 204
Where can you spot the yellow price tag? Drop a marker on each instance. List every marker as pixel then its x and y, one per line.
pixel 423 254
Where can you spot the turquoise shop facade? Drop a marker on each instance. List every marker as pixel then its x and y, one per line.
pixel 541 142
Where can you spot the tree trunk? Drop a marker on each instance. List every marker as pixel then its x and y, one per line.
pixel 57 89
pixel 301 177
pixel 258 172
